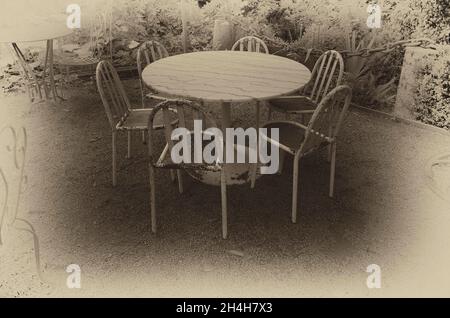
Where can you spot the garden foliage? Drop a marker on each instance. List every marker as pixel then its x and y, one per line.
pixel 298 29
pixel 433 96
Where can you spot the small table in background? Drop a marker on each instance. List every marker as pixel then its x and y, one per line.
pixel 34 31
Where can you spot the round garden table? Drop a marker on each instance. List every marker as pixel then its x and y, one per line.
pixel 226 77
pixel 41 29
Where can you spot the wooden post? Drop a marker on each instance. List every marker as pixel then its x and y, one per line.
pixel 184 19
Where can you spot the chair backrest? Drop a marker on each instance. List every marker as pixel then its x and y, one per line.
pixel 101 34
pixel 148 53
pixel 112 92
pixel 186 112
pixel 326 75
pixel 251 44
pixel 327 119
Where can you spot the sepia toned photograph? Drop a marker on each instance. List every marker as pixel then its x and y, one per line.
pixel 224 149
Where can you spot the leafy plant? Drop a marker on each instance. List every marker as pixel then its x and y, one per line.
pixel 419 18
pixel 381 94
pixel 371 92
pixel 357 66
pixel 433 93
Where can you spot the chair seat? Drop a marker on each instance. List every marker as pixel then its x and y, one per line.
pixel 294 104
pixel 138 120
pixel 291 135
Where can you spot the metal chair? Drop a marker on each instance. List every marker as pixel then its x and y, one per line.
pixel 13 149
pixel 187 113
pixel 251 44
pixel 84 63
pixel 299 140
pixel 326 75
pixel 149 52
pixel 121 115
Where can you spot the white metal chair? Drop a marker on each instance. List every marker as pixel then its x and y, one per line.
pixel 187 113
pixel 84 62
pixel 299 140
pixel 13 148
pixel 326 75
pixel 149 52
pixel 251 44
pixel 121 115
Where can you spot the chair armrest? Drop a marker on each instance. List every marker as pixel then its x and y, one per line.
pixel 291 97
pixel 161 98
pixel 301 112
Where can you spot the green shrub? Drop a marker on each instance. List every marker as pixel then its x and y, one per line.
pixel 433 95
pixel 293 28
pixel 419 18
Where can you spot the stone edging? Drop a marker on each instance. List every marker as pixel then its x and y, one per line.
pixel 415 123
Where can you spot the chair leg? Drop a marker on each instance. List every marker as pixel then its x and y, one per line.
pixel 114 158
pixel 153 198
pixel 330 146
pixel 282 160
pixel 295 190
pixel 143 106
pixel 29 93
pixel 172 176
pixel 255 166
pixel 333 169
pixel 254 175
pixel 329 153
pixel 223 185
pixel 129 143
pixel 180 181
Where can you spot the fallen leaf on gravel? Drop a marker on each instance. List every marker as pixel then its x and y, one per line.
pixel 236 253
pixel 133 45
pixel 95 139
pixel 207 268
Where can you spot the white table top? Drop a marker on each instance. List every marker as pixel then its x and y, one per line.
pixel 226 76
pixel 34 30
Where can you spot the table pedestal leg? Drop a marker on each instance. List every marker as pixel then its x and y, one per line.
pixel 226 116
pixel 47 53
pixel 255 166
pixel 28 73
pixel 226 123
pixel 50 62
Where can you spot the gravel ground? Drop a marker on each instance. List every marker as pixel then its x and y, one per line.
pixel 384 213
